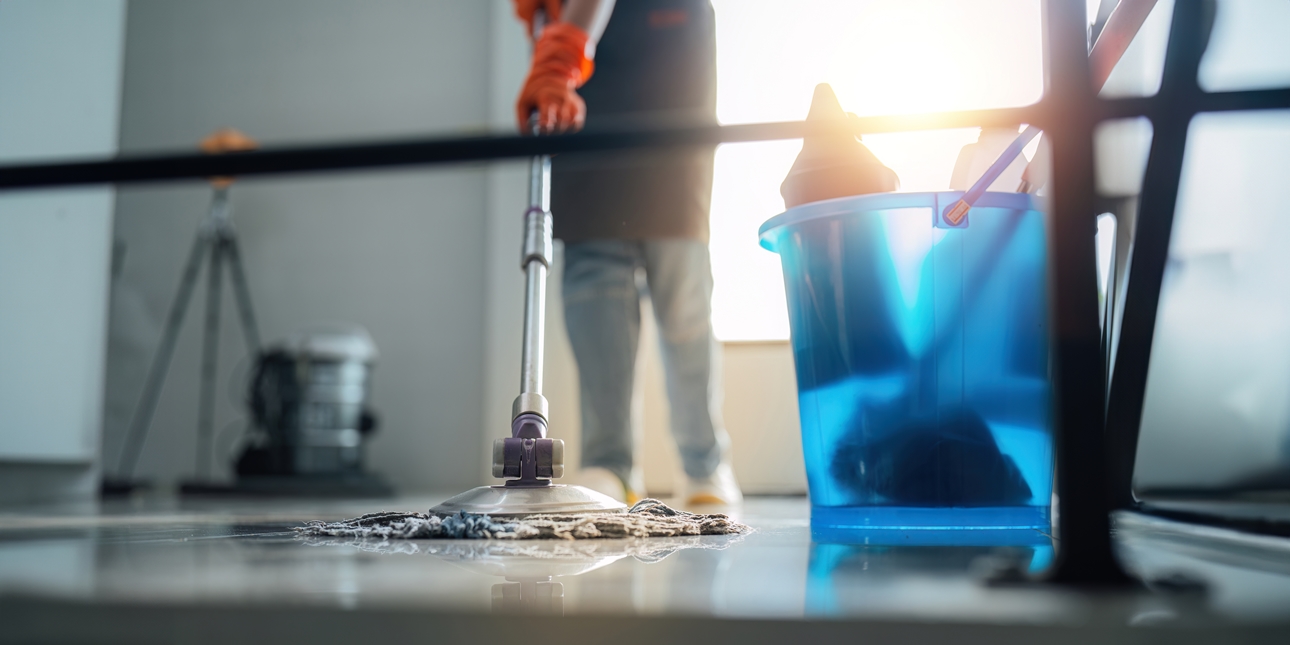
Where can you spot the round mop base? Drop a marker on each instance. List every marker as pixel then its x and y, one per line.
pixel 514 501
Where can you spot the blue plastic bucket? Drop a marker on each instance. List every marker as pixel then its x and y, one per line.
pixel 921 351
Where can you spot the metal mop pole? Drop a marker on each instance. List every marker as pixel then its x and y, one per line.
pixel 528 454
pixel 528 460
pixel 536 262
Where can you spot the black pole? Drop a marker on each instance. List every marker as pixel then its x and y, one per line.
pixel 429 151
pixel 636 134
pixel 1084 555
pixel 1188 37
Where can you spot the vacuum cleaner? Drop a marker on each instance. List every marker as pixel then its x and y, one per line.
pixel 308 399
pixel 528 459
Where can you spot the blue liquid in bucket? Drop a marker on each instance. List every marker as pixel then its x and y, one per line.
pixel 922 360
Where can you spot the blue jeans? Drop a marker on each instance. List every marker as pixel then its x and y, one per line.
pixel 602 298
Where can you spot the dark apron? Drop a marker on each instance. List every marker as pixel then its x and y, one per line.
pixel 656 60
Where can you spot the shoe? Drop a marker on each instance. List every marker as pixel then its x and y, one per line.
pixel 719 488
pixel 604 481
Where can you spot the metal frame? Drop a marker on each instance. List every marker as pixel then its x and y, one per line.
pixel 1095 451
pixel 1179 88
pixel 217 237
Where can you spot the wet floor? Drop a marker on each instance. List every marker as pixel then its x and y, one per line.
pixel 244 556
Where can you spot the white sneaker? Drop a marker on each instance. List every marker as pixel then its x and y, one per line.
pixel 719 488
pixel 604 481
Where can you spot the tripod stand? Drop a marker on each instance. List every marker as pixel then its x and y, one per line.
pixel 214 235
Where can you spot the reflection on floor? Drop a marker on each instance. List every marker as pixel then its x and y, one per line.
pixel 244 556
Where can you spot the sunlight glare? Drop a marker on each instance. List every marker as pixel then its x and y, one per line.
pixel 881 57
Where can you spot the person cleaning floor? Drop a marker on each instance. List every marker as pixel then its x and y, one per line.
pixel 633 215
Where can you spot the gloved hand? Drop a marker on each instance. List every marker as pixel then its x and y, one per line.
pixel 525 10
pixel 560 65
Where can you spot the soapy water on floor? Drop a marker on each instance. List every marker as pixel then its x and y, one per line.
pixel 649 518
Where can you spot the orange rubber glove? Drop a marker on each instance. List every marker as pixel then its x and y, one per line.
pixel 560 66
pixel 526 9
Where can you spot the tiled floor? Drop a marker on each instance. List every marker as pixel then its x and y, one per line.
pixel 159 570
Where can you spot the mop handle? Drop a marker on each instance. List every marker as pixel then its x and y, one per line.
pixel 954 213
pixel 536 262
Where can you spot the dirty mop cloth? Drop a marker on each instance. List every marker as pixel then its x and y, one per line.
pixel 648 518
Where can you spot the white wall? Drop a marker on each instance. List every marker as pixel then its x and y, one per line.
pixel 1217 403
pixel 60 69
pixel 401 251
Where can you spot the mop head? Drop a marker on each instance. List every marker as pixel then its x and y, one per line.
pixel 648 518
pixel 557 551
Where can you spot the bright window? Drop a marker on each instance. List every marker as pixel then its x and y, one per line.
pixel 881 57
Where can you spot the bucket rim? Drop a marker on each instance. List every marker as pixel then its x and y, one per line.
pixel 887 201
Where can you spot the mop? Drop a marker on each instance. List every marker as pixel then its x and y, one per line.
pixel 506 557
pixel 648 518
pixel 529 505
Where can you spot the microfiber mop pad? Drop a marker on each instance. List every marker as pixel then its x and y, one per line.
pixel 648 518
